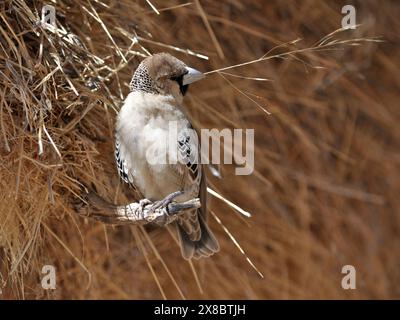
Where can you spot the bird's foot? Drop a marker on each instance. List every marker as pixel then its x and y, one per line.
pixel 144 202
pixel 165 202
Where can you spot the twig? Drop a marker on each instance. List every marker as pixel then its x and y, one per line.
pixel 210 30
pixel 143 212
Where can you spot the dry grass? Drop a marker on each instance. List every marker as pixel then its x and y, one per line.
pixel 325 189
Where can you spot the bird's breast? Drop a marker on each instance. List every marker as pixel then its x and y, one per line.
pixel 143 129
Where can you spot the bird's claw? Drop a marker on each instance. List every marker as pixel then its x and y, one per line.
pixel 165 202
pixel 144 202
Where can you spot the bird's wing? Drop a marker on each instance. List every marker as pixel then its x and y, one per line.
pixel 190 169
pixel 189 156
pixel 121 164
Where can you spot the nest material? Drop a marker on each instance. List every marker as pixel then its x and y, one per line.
pixel 325 190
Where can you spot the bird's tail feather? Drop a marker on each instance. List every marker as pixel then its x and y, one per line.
pixel 205 247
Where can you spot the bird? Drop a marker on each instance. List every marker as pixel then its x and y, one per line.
pixel 155 100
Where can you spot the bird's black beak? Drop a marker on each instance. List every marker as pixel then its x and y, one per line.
pixel 191 76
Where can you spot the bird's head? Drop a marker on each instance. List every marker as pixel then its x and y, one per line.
pixel 164 74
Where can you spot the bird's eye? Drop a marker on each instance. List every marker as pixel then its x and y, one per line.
pixel 179 80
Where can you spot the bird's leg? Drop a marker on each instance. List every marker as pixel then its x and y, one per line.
pixel 165 202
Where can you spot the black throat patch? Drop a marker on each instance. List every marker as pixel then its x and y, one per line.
pixel 182 88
